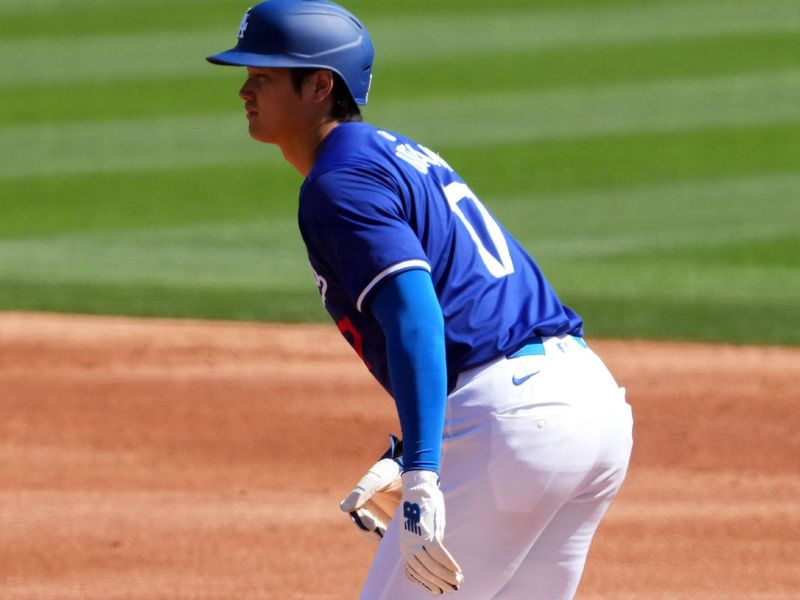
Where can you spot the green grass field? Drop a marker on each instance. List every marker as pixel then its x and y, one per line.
pixel 646 152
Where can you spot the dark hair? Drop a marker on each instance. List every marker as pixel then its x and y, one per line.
pixel 344 108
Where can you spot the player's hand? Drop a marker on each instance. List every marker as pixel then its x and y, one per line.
pixel 373 501
pixel 427 561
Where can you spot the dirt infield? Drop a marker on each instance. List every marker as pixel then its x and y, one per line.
pixel 187 460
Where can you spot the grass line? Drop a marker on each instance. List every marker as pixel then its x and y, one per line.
pixel 180 141
pixel 498 72
pixel 122 55
pixel 659 106
pixel 652 218
pixel 647 152
pixel 531 30
pixel 234 254
pixel 202 256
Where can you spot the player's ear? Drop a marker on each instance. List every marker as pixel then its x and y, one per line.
pixel 322 82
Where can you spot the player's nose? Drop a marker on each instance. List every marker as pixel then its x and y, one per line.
pixel 245 93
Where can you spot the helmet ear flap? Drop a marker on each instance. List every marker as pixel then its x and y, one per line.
pixel 304 34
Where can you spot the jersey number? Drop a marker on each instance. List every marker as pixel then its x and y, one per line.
pixel 499 265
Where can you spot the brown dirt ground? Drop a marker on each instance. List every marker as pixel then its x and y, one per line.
pixel 149 459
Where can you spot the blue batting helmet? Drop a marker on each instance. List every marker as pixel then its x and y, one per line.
pixel 304 33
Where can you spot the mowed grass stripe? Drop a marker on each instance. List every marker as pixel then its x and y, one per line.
pixel 33 6
pixel 223 193
pixel 651 219
pixel 109 57
pixel 216 89
pixel 530 30
pixel 564 231
pixel 46 205
pixel 637 289
pixel 21 19
pixel 678 281
pixel 671 105
pixel 129 145
pixel 123 55
pixel 254 254
pixel 172 142
pixel 534 168
pixel 585 66
pixel 546 24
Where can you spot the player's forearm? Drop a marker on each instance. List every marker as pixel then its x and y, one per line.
pixel 409 313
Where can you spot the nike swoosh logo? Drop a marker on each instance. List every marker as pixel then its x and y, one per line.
pixel 520 380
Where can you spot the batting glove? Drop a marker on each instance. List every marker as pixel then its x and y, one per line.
pixel 373 501
pixel 427 561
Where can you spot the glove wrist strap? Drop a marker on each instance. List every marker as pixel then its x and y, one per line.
pixel 416 479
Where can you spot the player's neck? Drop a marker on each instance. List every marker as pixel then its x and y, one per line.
pixel 301 152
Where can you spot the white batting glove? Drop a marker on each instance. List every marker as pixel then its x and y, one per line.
pixel 427 561
pixel 373 501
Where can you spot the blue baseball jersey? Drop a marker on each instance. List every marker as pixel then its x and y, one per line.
pixel 377 204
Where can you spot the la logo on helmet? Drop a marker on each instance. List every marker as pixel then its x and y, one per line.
pixel 243 24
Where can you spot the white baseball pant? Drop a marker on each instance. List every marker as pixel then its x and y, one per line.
pixel 534 449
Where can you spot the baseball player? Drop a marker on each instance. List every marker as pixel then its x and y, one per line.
pixel 515 435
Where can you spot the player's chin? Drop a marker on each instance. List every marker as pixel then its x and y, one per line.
pixel 259 134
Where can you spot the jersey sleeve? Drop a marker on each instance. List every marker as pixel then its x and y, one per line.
pixel 357 226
